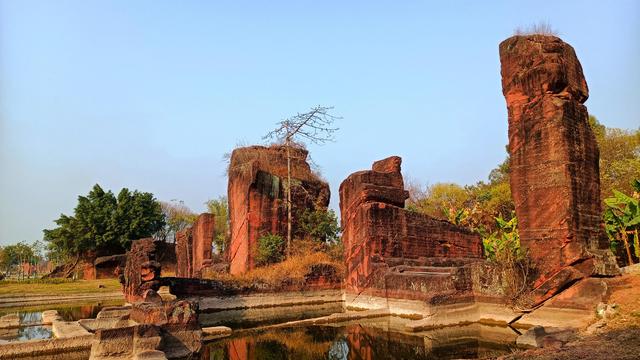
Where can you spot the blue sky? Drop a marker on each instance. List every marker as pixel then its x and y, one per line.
pixel 150 95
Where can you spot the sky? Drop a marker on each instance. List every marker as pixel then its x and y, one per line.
pixel 150 95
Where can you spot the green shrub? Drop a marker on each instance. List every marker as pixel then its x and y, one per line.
pixel 270 249
pixel 622 221
pixel 319 225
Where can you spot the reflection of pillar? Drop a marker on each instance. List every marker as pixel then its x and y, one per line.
pixel 238 349
pixel 359 343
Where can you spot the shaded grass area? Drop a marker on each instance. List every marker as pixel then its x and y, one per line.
pixel 61 287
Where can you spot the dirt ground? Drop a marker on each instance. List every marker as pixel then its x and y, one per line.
pixel 618 338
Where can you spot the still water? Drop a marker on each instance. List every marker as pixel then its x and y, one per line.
pixel 367 341
pixel 31 318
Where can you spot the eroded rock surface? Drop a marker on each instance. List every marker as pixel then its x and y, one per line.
pixel 142 271
pixel 257 197
pixel 554 178
pixel 392 252
pixel 194 247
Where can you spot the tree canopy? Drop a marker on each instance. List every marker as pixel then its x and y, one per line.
pixel 220 209
pixel 103 224
pixel 619 157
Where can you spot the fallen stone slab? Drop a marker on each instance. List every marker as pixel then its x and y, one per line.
pixel 68 329
pixel 150 355
pixel 631 269
pixel 49 316
pixel 9 321
pixel 215 332
pixel 53 347
pixel 111 312
pixel 94 325
pixel 574 307
pixel 539 336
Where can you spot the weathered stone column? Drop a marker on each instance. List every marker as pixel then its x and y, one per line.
pixel 554 167
pixel 194 247
pixel 257 198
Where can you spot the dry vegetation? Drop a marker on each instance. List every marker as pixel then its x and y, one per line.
pixel 541 28
pixel 286 274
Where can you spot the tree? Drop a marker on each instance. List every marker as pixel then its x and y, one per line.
pixel 103 224
pixel 622 217
pixel 16 255
pixel 319 225
pixel 220 209
pixel 177 217
pixel 315 126
pixel 619 157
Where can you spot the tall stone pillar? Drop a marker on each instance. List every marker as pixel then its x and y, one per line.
pixel 554 166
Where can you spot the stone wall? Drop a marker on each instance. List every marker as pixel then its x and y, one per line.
pixel 555 180
pixel 142 271
pixel 388 249
pixel 194 247
pixel 257 197
pixel 109 267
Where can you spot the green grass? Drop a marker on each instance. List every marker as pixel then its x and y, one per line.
pixel 57 287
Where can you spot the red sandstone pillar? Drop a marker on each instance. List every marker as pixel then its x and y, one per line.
pixel 554 167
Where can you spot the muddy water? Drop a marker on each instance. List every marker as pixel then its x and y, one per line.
pixel 377 339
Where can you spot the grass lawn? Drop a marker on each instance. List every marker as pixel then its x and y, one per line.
pixel 37 287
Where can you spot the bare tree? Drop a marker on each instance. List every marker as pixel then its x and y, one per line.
pixel 315 126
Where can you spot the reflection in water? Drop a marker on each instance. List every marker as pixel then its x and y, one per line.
pixel 69 312
pixel 25 333
pixel 30 318
pixel 354 341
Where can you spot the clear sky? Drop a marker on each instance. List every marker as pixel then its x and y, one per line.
pixel 150 95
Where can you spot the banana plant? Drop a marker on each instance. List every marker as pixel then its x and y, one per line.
pixel 622 217
pixel 505 241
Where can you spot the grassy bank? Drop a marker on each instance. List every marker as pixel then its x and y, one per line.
pixel 57 287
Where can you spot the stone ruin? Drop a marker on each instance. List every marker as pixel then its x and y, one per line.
pixel 169 326
pixel 400 256
pixel 555 181
pixel 194 247
pixel 257 197
pixel 393 252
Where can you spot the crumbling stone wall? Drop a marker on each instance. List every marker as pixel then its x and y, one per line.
pixel 555 180
pixel 257 197
pixel 107 267
pixel 194 247
pixel 390 248
pixel 142 271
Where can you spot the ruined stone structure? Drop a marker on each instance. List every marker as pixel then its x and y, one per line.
pixel 392 252
pixel 194 247
pixel 554 167
pixel 109 267
pixel 257 197
pixel 142 271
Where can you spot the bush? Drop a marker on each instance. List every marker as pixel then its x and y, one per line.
pixel 270 249
pixel 319 225
pixel 515 269
pixel 503 243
